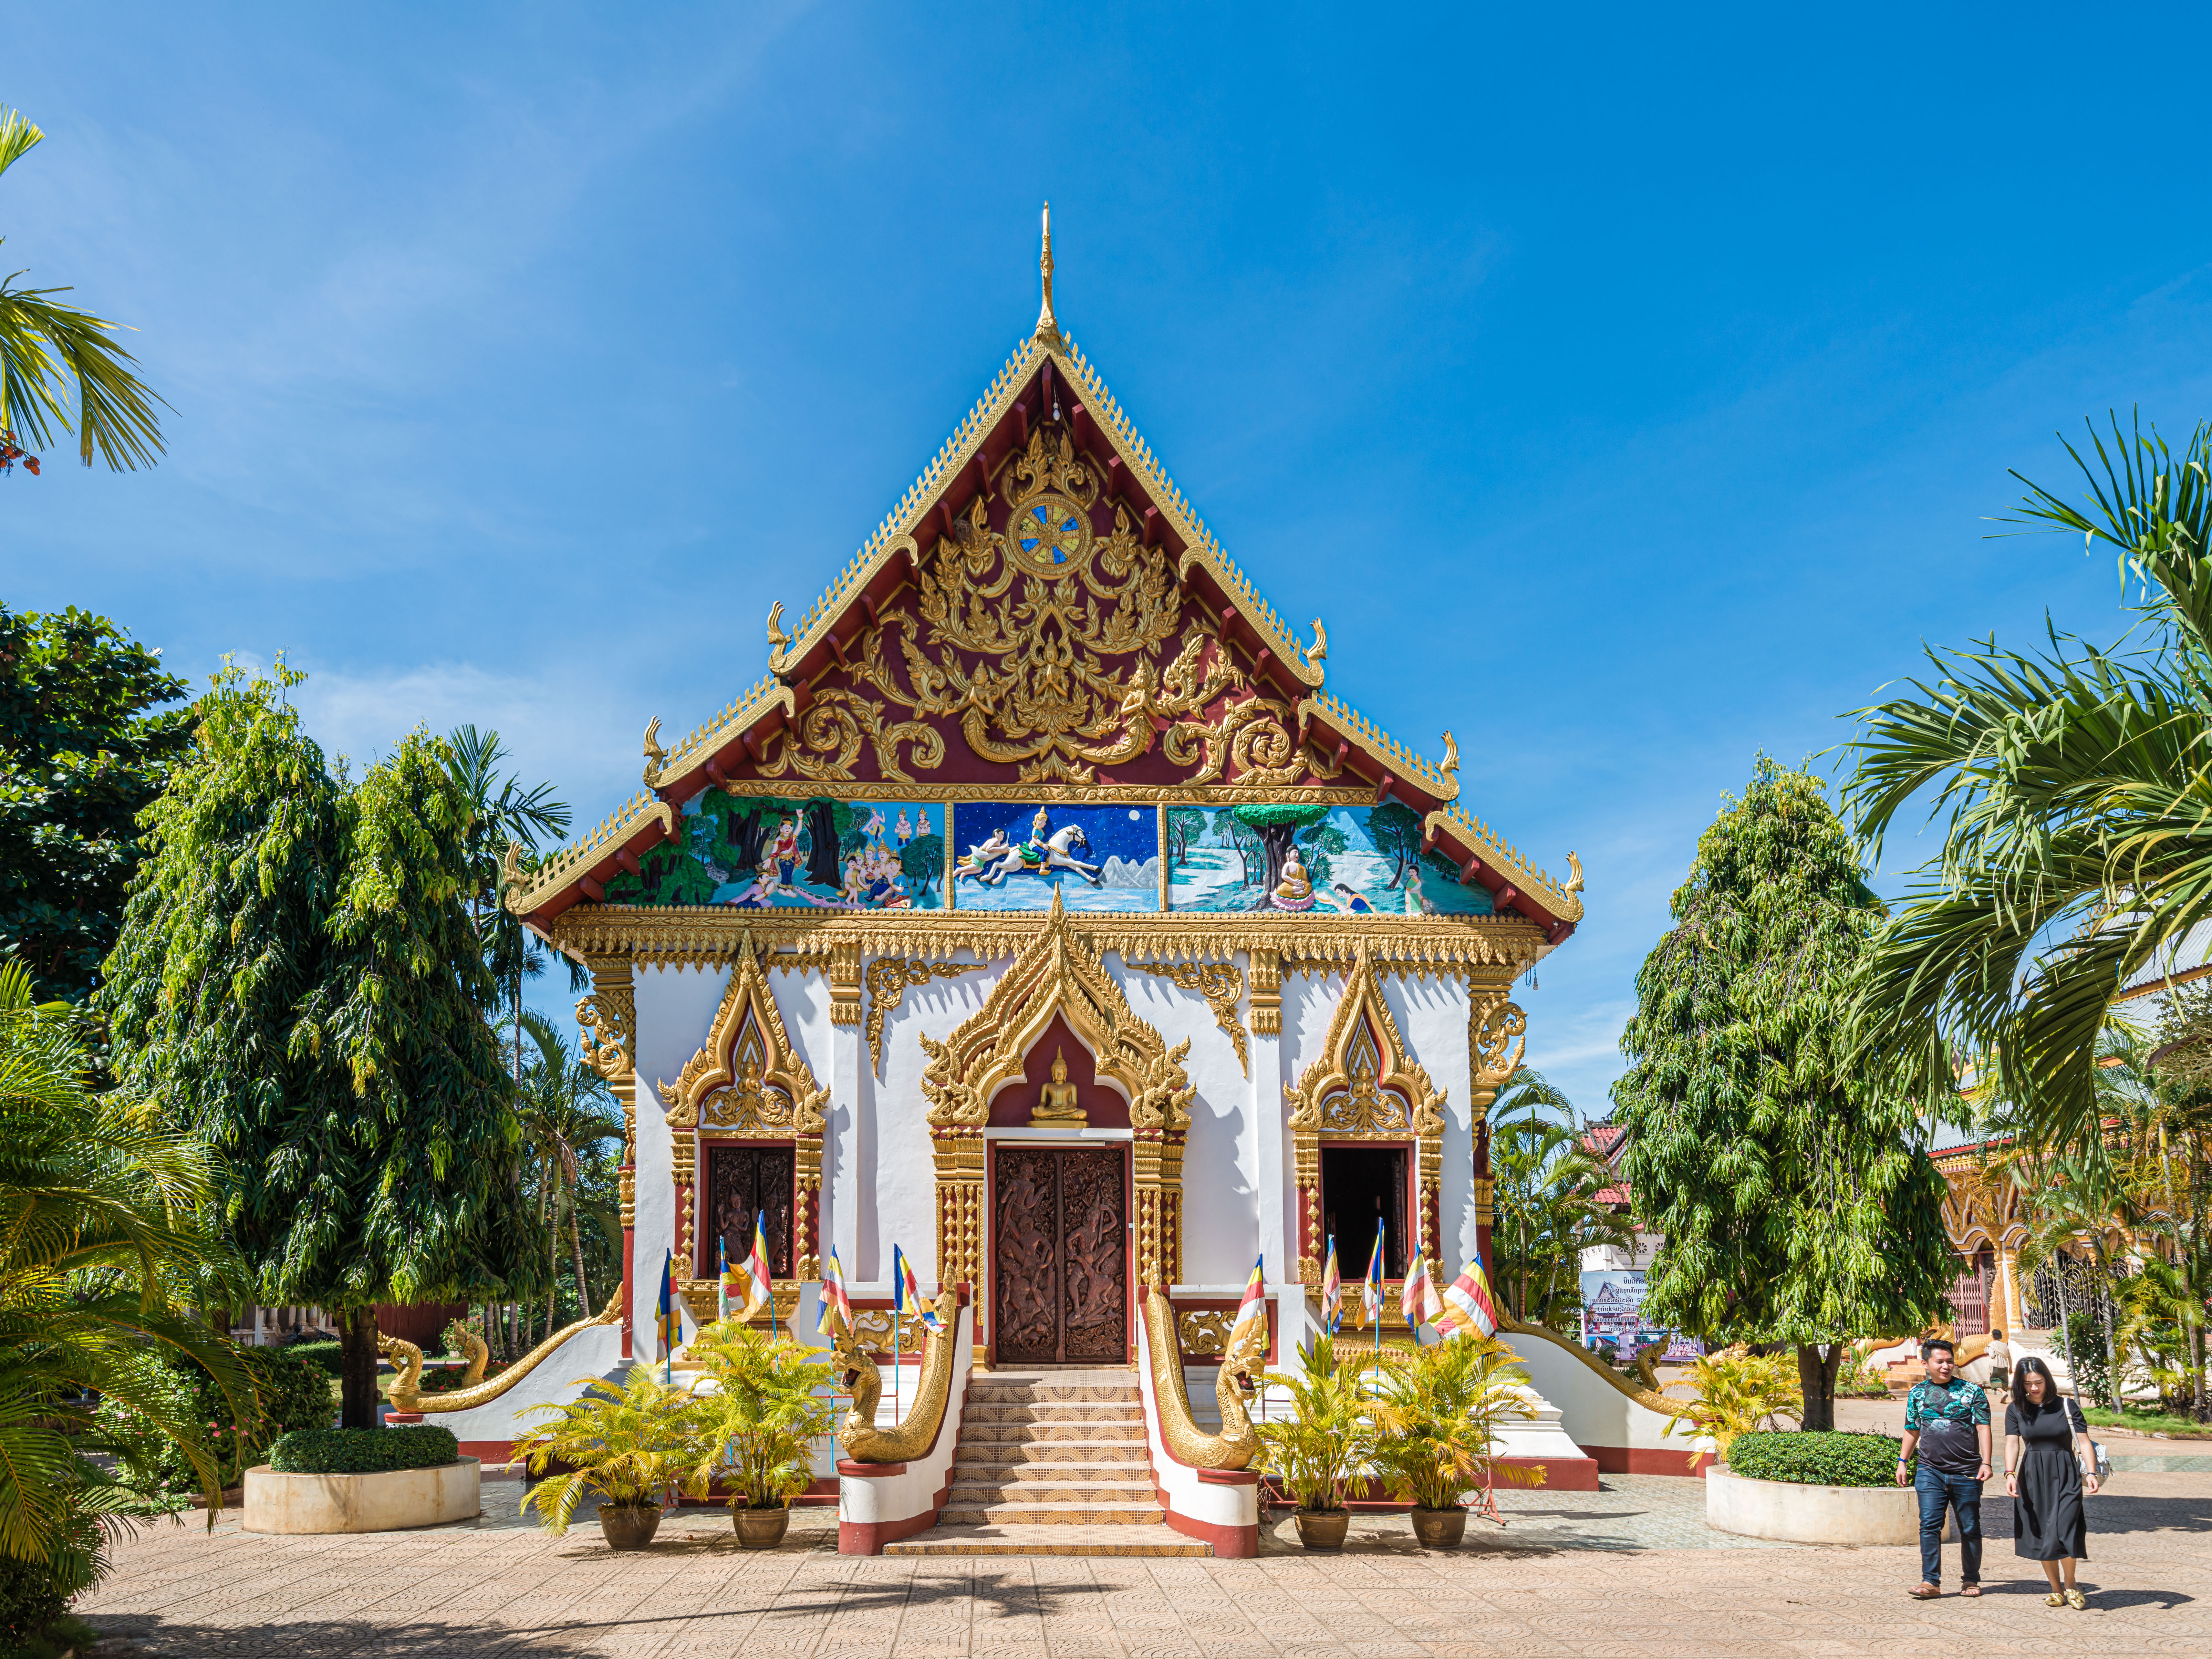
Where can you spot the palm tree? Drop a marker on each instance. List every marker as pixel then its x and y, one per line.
pixel 107 1235
pixel 567 1110
pixel 44 344
pixel 1548 1211
pixel 2068 1197
pixel 2076 781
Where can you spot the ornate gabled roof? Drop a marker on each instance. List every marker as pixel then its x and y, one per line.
pixel 1043 603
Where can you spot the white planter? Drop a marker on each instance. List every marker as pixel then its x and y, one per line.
pixel 390 1501
pixel 1811 1514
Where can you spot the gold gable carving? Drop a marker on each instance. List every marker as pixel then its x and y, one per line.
pixel 1056 975
pixel 1058 650
pixel 1364 1085
pixel 746 1081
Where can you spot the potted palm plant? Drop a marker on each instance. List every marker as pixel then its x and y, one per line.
pixel 1326 1441
pixel 1436 1417
pixel 758 1424
pixel 638 1449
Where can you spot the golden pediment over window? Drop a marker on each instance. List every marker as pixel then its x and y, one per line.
pixel 746 1078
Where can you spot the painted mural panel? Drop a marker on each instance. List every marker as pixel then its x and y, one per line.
pixel 767 852
pixel 1325 859
pixel 1014 854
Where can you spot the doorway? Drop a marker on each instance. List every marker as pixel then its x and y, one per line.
pixel 1364 1187
pixel 1061 1255
pixel 742 1182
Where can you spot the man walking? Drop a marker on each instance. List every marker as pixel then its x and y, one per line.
pixel 1948 1418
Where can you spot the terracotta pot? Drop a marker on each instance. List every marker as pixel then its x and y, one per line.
pixel 1324 1529
pixel 1439 1530
pixel 629 1528
pixel 761 1529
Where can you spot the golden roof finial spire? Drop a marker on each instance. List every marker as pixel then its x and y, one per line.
pixel 1048 326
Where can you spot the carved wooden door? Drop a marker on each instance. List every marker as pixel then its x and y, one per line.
pixel 741 1180
pixel 1060 1251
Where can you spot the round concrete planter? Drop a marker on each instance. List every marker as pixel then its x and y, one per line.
pixel 761 1529
pixel 391 1501
pixel 1811 1514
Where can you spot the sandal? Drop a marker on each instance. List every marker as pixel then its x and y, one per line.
pixel 1923 1592
pixel 1970 1589
pixel 2056 1599
pixel 2076 1600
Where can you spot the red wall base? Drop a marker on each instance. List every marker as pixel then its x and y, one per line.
pixel 1651 1460
pixel 491 1451
pixel 1560 1474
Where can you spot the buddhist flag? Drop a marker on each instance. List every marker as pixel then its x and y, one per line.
pixel 729 1280
pixel 1370 1292
pixel 1419 1301
pixel 757 1284
pixel 1467 1304
pixel 906 1289
pixel 1332 1293
pixel 1252 1312
pixel 670 1322
pixel 836 1313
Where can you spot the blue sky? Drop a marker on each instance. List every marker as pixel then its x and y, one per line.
pixel 1627 390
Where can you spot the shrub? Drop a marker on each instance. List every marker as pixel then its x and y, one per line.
pixel 291 1393
pixel 321 1351
pixel 29 1601
pixel 364 1451
pixel 1812 1458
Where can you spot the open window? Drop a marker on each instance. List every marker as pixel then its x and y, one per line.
pixel 1364 1187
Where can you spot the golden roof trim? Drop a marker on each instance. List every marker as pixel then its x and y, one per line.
pixel 1485 948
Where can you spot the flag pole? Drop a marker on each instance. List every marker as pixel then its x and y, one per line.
pixel 1382 1262
pixel 721 1279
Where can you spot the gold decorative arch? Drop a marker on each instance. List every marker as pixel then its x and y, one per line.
pixel 1363 1086
pixel 1056 974
pixel 747 1082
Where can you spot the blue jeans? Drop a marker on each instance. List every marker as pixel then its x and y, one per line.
pixel 1963 1494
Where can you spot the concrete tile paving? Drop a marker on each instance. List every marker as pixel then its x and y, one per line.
pixel 1629 1570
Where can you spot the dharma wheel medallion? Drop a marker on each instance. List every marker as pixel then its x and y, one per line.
pixel 1051 534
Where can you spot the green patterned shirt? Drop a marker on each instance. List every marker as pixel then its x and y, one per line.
pixel 1945 1414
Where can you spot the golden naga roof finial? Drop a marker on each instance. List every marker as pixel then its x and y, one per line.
pixel 1574 868
pixel 1451 755
pixel 1048 326
pixel 779 642
pixel 656 757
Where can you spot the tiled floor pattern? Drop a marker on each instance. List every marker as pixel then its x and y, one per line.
pixel 1595 1573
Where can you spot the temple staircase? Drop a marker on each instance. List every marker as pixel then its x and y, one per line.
pixel 1051 1463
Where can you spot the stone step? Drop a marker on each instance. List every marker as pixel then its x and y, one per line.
pixel 1152 1539
pixel 1049 1515
pixel 1114 1411
pixel 1011 1454
pixel 1015 1434
pixel 1017 1394
pixel 967 1494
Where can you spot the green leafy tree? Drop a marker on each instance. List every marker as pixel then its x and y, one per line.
pixel 1795 1201
pixel 107 1241
pixel 2071 782
pixel 298 982
pixel 46 343
pixel 85 744
pixel 1395 830
pixel 1547 1208
pixel 567 1110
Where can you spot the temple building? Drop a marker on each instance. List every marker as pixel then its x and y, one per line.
pixel 1043 914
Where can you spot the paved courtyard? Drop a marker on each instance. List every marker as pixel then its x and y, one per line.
pixel 1629 1571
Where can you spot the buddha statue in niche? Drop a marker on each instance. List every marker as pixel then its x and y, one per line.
pixel 1295 892
pixel 1056 1100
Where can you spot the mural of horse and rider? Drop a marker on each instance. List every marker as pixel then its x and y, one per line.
pixel 1101 858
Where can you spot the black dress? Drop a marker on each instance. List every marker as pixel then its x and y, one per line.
pixel 2047 1519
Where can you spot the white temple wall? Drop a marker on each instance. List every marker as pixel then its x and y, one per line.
pixel 675 1006
pixel 879 1180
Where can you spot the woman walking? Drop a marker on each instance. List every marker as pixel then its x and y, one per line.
pixel 2049 1463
